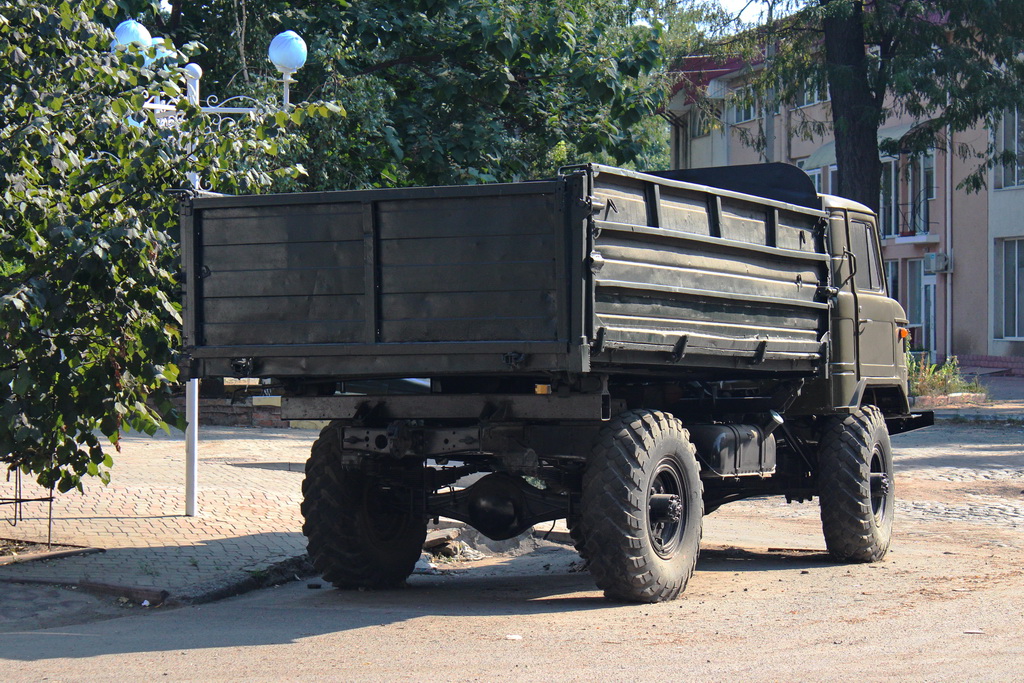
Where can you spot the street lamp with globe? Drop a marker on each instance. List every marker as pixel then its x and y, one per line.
pixel 288 54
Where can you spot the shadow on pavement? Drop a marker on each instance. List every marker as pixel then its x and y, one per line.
pixel 773 559
pixel 518 586
pixel 540 582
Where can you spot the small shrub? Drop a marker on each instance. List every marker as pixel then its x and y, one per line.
pixel 931 379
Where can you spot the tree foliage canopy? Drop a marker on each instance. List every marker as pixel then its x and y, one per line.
pixel 950 64
pixel 446 91
pixel 436 92
pixel 88 294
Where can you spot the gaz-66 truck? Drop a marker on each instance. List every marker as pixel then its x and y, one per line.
pixel 626 351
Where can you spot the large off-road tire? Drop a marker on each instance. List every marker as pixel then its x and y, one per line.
pixel 855 486
pixel 578 540
pixel 642 508
pixel 359 534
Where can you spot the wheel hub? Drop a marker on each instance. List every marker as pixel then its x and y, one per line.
pixel 880 485
pixel 665 508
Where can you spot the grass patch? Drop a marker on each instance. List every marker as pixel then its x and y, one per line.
pixel 932 379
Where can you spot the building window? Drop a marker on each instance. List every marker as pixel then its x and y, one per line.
pixel 1010 138
pixel 700 123
pixel 892 278
pixel 833 180
pixel 745 106
pixel 915 305
pixel 920 190
pixel 811 92
pixel 815 177
pixel 1010 287
pixel 888 204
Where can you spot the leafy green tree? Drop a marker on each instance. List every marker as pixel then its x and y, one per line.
pixel 88 293
pixel 952 64
pixel 447 91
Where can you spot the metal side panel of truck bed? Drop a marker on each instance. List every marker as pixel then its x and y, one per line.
pixel 597 268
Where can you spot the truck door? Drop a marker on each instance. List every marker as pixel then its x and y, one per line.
pixel 875 315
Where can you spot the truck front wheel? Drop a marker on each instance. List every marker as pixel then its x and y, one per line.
pixel 855 486
pixel 642 508
pixel 359 534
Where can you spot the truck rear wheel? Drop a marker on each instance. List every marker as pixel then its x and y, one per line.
pixel 642 508
pixel 855 486
pixel 358 533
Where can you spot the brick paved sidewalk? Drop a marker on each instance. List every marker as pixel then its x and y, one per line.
pixel 249 520
pixel 248 514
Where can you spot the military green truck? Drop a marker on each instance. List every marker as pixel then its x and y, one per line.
pixel 625 351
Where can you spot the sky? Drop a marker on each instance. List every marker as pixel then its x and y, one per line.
pixel 753 9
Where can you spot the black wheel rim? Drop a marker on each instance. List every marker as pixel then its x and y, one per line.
pixel 665 520
pixel 880 485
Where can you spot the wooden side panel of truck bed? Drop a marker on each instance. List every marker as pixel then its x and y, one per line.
pixel 725 279
pixel 599 269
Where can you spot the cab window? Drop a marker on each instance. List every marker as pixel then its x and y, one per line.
pixel 865 249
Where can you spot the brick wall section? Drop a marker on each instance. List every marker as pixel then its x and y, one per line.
pixel 1014 365
pixel 222 412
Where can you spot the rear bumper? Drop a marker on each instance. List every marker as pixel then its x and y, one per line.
pixel 907 423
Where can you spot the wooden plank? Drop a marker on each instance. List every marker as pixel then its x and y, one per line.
pixel 283 256
pixel 290 332
pixel 291 282
pixel 469 217
pixel 662 236
pixel 315 223
pixel 467 305
pixel 680 313
pixel 444 251
pixel 258 310
pixel 538 328
pixel 486 277
pixel 656 277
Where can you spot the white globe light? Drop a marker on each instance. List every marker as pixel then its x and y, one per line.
pixel 131 31
pixel 287 51
pixel 193 71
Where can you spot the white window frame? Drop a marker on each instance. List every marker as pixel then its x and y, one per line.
pixel 745 105
pixel 810 93
pixel 914 301
pixel 815 175
pixel 920 307
pixel 920 191
pixel 700 123
pixel 1010 137
pixel 1010 289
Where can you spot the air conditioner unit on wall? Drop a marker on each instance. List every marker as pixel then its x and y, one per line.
pixel 938 262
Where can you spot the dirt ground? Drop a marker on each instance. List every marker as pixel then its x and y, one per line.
pixel 766 602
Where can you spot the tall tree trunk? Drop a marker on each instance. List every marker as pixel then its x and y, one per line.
pixel 856 112
pixel 240 19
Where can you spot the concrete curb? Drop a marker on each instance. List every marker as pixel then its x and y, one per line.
pixel 48 555
pixel 296 568
pixel 979 417
pixel 292 569
pixel 155 596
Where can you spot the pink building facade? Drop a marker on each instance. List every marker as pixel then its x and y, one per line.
pixel 954 260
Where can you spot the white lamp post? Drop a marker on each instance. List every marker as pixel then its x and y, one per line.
pixel 288 53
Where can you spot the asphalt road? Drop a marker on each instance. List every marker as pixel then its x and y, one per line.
pixel 765 603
